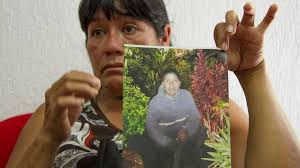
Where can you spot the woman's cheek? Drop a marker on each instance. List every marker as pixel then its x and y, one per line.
pixel 94 56
pixel 91 45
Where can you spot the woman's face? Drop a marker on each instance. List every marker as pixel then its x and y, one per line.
pixel 105 45
pixel 171 84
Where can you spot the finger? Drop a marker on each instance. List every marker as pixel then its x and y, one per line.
pixel 249 14
pixel 68 106
pixel 262 27
pixel 83 77
pixel 79 89
pixel 231 22
pixel 80 77
pixel 233 59
pixel 69 102
pixel 221 36
pixel 73 114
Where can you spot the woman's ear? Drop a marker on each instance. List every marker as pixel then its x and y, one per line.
pixel 166 39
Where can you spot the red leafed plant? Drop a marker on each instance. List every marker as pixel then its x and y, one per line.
pixel 210 90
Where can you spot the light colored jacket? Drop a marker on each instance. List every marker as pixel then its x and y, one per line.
pixel 167 115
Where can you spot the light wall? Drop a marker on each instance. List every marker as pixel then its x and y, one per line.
pixel 41 40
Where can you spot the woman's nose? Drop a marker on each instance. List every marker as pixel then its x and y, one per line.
pixel 114 44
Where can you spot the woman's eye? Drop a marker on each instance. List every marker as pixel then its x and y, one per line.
pixel 129 29
pixel 98 33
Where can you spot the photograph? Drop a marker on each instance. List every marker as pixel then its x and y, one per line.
pixel 175 108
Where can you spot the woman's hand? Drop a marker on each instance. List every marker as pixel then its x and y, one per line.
pixel 64 102
pixel 242 40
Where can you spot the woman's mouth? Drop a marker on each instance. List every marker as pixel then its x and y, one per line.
pixel 113 67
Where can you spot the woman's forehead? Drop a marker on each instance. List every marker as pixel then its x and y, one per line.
pixel 100 16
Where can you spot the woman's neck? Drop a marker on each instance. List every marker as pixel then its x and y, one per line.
pixel 112 107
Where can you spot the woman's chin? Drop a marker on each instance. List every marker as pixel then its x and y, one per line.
pixel 114 84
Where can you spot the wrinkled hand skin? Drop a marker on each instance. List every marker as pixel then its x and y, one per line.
pixel 63 103
pixel 242 40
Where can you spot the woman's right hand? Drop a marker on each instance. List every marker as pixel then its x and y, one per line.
pixel 63 103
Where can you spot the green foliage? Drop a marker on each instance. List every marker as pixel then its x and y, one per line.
pixel 210 62
pixel 220 109
pixel 135 105
pixel 220 142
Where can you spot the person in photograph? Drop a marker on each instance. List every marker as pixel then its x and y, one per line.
pixel 173 124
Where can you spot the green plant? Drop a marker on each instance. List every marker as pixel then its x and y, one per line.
pixel 220 143
pixel 135 105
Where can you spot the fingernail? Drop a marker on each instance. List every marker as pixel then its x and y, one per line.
pixel 230 28
pixel 249 7
pixel 251 4
pixel 224 46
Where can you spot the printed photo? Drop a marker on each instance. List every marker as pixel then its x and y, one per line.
pixel 175 108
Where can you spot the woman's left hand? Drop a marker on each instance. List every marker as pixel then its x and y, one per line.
pixel 242 40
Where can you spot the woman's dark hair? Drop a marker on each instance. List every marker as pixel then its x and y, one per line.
pixel 151 11
pixel 168 71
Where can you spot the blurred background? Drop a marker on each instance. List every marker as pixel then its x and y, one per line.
pixel 41 40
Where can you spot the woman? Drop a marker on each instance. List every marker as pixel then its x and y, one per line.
pixel 110 24
pixel 173 125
